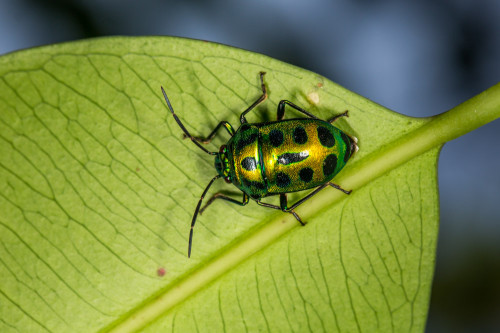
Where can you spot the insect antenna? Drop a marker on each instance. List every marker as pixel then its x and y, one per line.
pixel 182 126
pixel 197 210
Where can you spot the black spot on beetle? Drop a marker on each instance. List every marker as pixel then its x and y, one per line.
pixel 249 163
pixel 299 135
pixel 252 184
pixel 244 127
pixel 276 137
pixel 329 164
pixel 282 179
pixel 325 137
pixel 289 158
pixel 306 174
pixel 245 141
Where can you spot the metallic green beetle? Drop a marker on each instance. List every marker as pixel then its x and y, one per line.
pixel 276 158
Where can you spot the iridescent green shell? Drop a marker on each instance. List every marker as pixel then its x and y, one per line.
pixel 286 156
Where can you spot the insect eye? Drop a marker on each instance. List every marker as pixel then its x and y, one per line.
pixel 222 149
pixel 227 179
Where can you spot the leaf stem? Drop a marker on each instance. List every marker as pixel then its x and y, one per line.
pixel 466 117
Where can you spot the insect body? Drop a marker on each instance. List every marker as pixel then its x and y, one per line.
pixel 276 158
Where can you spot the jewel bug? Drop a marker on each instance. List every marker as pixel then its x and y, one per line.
pixel 276 157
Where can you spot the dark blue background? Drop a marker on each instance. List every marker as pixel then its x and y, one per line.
pixel 419 58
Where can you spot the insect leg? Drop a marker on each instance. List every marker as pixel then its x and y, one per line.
pixel 225 197
pixel 284 207
pixel 339 188
pixel 310 195
pixel 186 132
pixel 196 211
pixel 261 99
pixel 281 109
pixel 264 204
pixel 345 114
pixel 209 138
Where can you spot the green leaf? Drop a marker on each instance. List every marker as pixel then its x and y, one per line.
pixel 97 190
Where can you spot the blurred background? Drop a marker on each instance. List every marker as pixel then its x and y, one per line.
pixel 419 58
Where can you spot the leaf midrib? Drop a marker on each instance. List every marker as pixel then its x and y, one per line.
pixel 434 132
